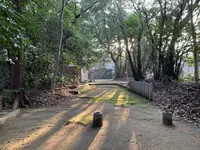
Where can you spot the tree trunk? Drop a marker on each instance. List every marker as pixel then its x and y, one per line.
pixel 120 57
pixel 17 72
pixel 53 84
pixel 16 81
pixel 139 63
pixel 117 72
pixel 134 73
pixel 123 30
pixel 195 47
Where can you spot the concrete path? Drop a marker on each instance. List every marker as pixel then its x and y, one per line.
pixel 137 127
pixel 109 81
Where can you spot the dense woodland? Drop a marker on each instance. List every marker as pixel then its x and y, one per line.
pixel 40 38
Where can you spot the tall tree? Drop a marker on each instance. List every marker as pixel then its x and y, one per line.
pixel 126 40
pixel 53 84
pixel 17 69
pixel 194 39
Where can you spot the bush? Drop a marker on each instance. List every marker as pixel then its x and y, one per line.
pixel 45 82
pixel 5 75
pixel 63 80
pixel 7 98
pixel 38 68
pixel 188 78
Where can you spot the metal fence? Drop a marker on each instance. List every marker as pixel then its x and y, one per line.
pixel 142 88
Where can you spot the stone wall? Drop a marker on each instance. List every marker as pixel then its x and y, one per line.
pixel 84 75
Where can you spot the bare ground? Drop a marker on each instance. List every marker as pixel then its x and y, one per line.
pixel 137 127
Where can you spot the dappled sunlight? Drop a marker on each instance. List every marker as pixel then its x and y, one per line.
pixel 133 145
pixel 125 114
pixel 100 138
pixel 54 132
pixel 100 94
pixel 52 122
pixel 63 138
pixel 126 98
pixel 103 96
pixel 120 99
pixel 109 95
pixel 52 128
pixel 79 106
pixel 91 95
pixel 88 88
pixel 85 93
pixel 75 105
pixel 86 116
pixel 117 96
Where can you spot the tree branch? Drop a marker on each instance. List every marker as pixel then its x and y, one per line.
pixel 83 11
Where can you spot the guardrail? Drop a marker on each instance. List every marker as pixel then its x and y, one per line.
pixel 142 88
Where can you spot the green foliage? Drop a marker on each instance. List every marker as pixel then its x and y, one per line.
pixel 38 68
pixel 5 74
pixel 63 80
pixel 13 39
pixel 188 78
pixel 133 24
pixel 7 97
pixel 32 32
pixel 190 60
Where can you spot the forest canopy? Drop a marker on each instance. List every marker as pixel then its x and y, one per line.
pixel 38 39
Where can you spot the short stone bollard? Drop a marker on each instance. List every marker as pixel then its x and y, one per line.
pixel 97 119
pixel 167 118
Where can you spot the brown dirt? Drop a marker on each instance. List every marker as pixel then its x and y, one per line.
pixel 134 128
pixel 183 99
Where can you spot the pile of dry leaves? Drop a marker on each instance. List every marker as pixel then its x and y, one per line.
pixel 44 98
pixel 181 99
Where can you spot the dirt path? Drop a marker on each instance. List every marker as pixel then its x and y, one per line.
pixel 137 127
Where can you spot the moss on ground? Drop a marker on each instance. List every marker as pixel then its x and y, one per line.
pixel 82 119
pixel 116 96
pixel 87 88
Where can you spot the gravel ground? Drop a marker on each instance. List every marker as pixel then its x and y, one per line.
pixel 137 127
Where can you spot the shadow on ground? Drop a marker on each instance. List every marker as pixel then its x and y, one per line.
pixel 125 128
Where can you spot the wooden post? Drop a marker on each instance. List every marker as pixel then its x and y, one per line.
pixel 167 119
pixel 97 119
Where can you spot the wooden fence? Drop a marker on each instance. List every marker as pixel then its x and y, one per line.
pixel 142 88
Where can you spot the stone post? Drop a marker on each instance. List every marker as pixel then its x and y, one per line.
pixel 167 119
pixel 97 119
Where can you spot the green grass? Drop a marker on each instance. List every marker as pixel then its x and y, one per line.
pixel 87 88
pixel 83 119
pixel 116 96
